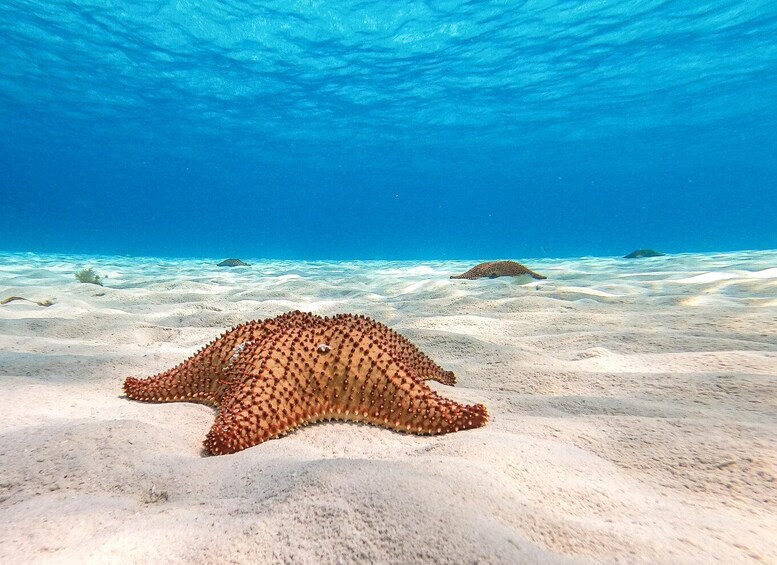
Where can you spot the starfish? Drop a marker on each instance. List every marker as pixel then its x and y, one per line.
pixel 640 253
pixel 495 269
pixel 233 263
pixel 267 378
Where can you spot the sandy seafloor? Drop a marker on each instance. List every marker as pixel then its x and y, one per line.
pixel 633 416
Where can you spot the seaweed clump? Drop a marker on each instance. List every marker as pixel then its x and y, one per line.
pixel 88 276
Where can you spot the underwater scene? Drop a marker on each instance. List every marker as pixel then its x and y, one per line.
pixel 372 282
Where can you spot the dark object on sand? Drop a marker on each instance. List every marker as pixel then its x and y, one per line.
pixel 45 303
pixel 88 276
pixel 640 253
pixel 233 263
pixel 495 269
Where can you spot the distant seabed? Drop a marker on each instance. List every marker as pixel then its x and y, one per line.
pixel 750 276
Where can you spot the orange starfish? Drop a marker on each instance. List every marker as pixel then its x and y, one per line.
pixel 269 377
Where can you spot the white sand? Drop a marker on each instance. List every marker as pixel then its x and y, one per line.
pixel 633 403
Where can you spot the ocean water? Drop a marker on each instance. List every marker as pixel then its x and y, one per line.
pixel 381 130
pixel 358 154
pixel 200 293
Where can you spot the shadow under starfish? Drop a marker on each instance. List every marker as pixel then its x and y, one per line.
pixel 270 377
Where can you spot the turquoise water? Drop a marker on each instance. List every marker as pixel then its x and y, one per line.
pixel 378 130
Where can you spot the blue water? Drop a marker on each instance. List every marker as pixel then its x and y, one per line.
pixel 387 129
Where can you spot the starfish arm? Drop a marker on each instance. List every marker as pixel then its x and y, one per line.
pixel 179 384
pixel 262 409
pixel 436 415
pixel 400 348
pixel 198 379
pixel 405 404
pixel 426 369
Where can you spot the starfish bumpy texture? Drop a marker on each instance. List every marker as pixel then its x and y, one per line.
pixel 233 263
pixel 269 377
pixel 494 269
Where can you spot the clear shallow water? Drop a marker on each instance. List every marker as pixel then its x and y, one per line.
pixel 372 130
pixel 746 278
